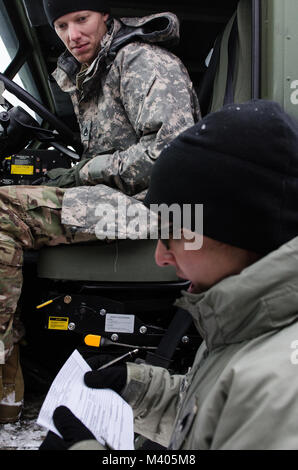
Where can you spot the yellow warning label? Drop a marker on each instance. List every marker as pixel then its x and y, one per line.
pixel 22 169
pixel 58 323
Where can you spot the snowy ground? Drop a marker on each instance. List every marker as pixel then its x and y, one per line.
pixel 25 434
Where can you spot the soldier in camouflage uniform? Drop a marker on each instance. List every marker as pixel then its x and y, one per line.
pixel 131 97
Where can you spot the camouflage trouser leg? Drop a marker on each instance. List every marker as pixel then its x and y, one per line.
pixel 30 217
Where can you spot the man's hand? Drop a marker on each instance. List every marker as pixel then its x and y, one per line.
pixel 65 177
pixel 71 429
pixel 113 377
pixel 62 177
pixel 59 178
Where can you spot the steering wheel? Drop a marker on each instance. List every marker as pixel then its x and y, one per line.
pixel 64 134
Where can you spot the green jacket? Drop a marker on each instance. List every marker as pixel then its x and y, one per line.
pixel 242 391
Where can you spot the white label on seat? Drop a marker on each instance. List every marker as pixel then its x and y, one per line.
pixel 117 323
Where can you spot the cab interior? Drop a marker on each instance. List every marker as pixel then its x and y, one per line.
pixel 35 47
pixel 32 48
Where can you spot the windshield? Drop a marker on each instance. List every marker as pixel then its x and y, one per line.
pixel 9 46
pixel 8 41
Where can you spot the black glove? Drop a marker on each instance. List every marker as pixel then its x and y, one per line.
pixel 70 427
pixel 111 377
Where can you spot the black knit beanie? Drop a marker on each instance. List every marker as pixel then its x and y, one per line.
pixel 54 9
pixel 241 163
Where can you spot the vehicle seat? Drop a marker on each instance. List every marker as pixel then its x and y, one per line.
pixel 228 77
pixel 118 261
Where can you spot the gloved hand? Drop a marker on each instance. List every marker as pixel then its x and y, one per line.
pixel 59 178
pixel 113 377
pixel 70 427
pixel 65 177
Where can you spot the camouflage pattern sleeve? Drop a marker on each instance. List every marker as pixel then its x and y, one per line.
pixel 160 103
pixel 107 213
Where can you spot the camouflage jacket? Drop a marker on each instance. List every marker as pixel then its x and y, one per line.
pixel 130 103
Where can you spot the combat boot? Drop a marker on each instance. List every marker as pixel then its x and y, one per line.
pixel 11 388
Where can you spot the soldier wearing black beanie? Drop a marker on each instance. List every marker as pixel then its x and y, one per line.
pixel 241 163
pixel 54 9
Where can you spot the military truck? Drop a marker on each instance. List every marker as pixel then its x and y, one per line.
pixel 107 298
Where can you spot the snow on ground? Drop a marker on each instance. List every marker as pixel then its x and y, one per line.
pixel 25 434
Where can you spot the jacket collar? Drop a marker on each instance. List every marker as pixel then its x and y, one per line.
pixel 260 299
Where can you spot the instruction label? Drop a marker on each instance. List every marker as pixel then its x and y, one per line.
pixel 117 323
pixel 22 169
pixel 58 323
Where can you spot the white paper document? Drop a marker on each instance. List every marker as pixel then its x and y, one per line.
pixel 103 411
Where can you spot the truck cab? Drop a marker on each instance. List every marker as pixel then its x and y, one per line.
pixel 234 51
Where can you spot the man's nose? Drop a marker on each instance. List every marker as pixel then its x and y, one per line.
pixel 162 256
pixel 74 33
